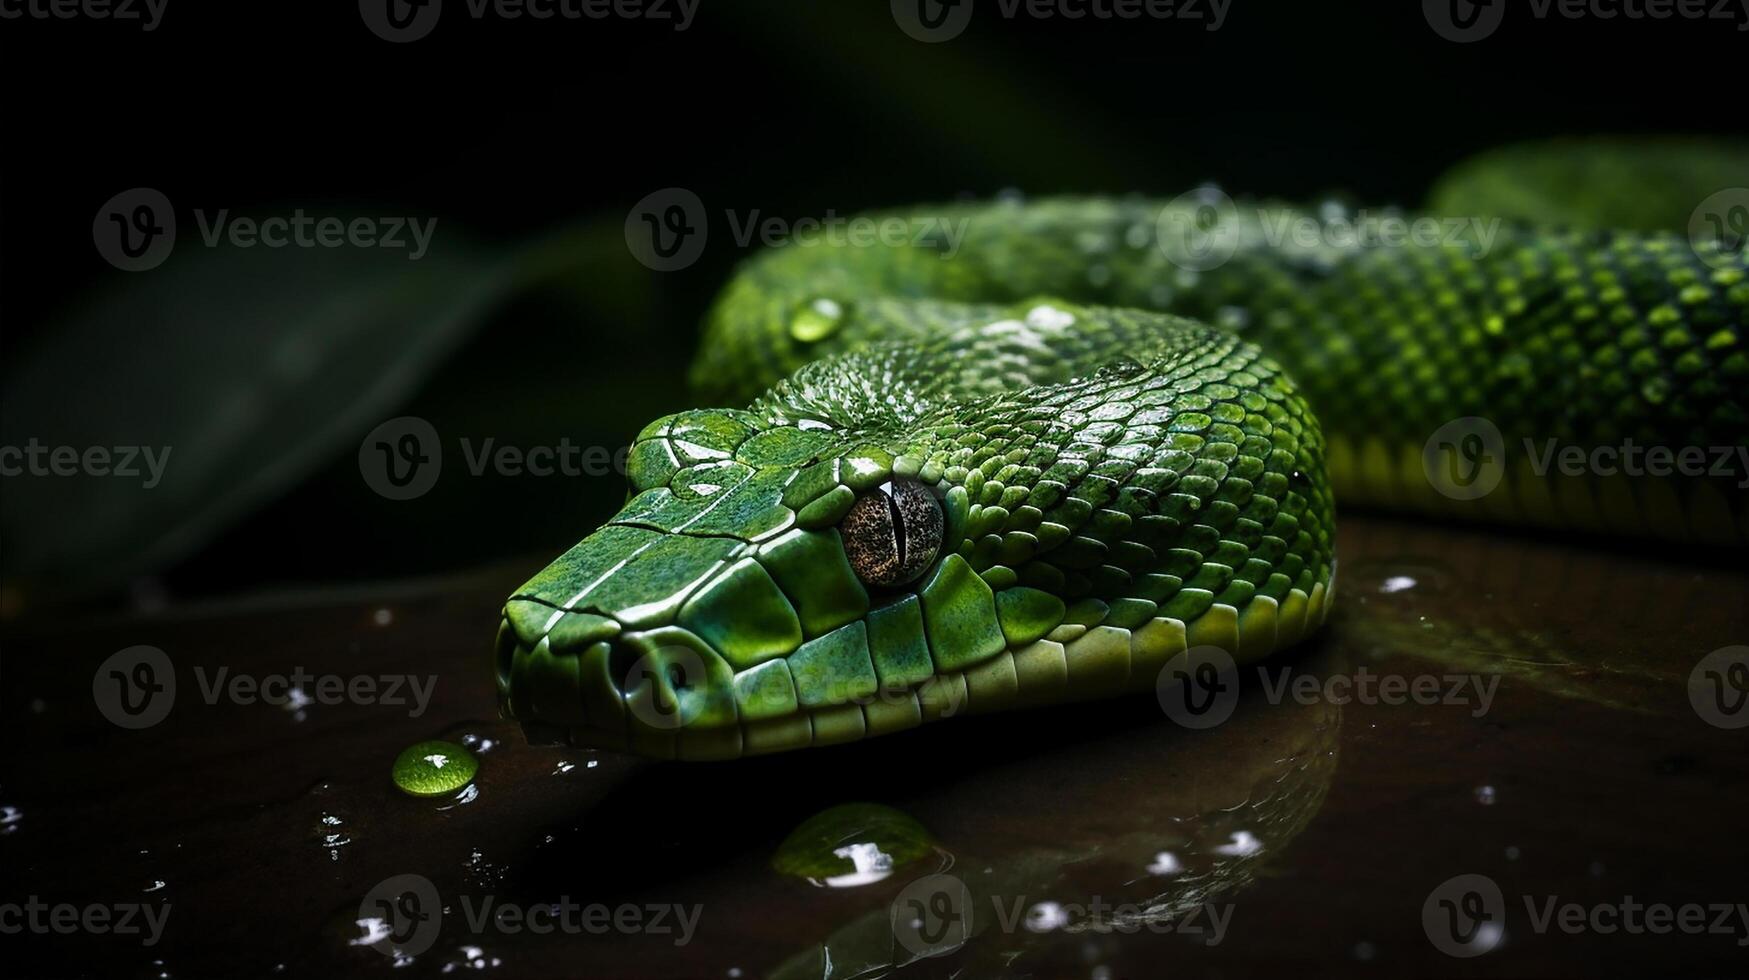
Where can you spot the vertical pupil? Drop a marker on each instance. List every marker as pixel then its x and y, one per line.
pixel 898 522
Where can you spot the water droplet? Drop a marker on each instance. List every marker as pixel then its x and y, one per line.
pixel 434 768
pixel 383 617
pixel 1165 863
pixel 1485 795
pixel 1243 844
pixel 816 320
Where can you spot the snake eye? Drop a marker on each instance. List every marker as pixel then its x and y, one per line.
pixel 892 533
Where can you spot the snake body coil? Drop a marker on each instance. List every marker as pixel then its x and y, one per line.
pixel 1009 470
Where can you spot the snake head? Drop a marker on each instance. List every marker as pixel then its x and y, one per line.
pixel 769 584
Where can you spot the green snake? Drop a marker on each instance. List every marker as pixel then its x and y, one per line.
pixel 1041 460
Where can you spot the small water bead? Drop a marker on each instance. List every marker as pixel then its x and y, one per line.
pixel 816 321
pixel 852 844
pixel 434 768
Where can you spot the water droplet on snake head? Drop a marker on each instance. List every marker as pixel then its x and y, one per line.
pixel 816 320
pixel 1123 367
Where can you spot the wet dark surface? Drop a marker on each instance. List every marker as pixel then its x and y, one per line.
pixel 1315 832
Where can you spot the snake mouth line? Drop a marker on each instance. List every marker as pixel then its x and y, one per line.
pixel 664 693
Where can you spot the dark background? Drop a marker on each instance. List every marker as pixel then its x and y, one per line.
pixel 511 129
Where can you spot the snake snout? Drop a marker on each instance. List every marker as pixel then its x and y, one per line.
pixel 587 679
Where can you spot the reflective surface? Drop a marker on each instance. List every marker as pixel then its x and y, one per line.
pixel 1480 705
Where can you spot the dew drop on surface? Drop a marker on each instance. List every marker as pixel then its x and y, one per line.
pixel 870 862
pixel 1165 863
pixel 1046 916
pixel 469 794
pixel 434 768
pixel 1485 795
pixel 816 320
pixel 1241 843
